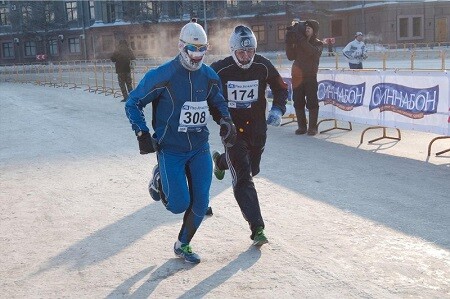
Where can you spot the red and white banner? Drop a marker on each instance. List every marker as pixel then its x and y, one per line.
pixel 331 40
pixel 41 57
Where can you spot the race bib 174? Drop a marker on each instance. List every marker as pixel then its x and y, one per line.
pixel 241 94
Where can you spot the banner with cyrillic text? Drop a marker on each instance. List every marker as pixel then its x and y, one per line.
pixel 412 100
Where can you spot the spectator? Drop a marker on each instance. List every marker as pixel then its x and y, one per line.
pixel 245 76
pixel 123 57
pixel 181 92
pixel 330 47
pixel 303 46
pixel 355 51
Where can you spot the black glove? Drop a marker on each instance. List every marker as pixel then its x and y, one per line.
pixel 227 131
pixel 147 144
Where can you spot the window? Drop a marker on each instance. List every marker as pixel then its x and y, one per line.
pixel 175 9
pixel 4 16
pixel 139 42
pixel 91 10
pixel 336 28
pixel 196 7
pixel 110 12
pixel 260 33
pixel 151 41
pixel 132 42
pixel 403 23
pixel 30 48
pixel 417 26
pixel 53 47
pixel 49 13
pixel 107 43
pixel 232 2
pixel 281 32
pixel 410 27
pixel 26 14
pixel 8 50
pixel 147 8
pixel 71 10
pixel 441 29
pixel 74 45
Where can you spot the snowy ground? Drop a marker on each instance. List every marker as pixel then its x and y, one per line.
pixel 344 220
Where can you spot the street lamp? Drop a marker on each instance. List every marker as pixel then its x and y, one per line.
pixel 204 16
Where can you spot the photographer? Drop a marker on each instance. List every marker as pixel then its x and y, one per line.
pixel 303 46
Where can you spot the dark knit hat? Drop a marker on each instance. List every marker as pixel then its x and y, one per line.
pixel 314 25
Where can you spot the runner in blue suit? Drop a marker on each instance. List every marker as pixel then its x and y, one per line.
pixel 181 92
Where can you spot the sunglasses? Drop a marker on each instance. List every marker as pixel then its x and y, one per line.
pixel 248 51
pixel 195 48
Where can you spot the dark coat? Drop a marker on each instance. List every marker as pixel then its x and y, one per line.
pixel 251 121
pixel 122 58
pixel 307 56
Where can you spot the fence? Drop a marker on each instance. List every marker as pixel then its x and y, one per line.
pixel 381 59
pixel 94 76
pixel 99 76
pixel 412 100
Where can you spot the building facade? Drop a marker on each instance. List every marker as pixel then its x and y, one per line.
pixel 86 30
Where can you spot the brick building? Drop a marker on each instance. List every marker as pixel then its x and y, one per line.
pixel 85 30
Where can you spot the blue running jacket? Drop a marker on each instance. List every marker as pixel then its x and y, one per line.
pixel 181 100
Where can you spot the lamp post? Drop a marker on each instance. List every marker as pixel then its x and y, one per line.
pixel 83 20
pixel 204 16
pixel 363 16
pixel 16 45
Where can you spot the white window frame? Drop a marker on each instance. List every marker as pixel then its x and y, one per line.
pixel 410 27
pixel 91 10
pixel 10 48
pixel 53 47
pixel 71 10
pixel 74 45
pixel 27 11
pixel 260 32
pixel 147 8
pixel 281 32
pixel 30 48
pixel 49 13
pixel 4 16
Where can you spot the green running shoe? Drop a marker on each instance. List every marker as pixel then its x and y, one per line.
pixel 185 251
pixel 219 174
pixel 259 238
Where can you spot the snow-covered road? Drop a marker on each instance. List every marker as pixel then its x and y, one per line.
pixel 344 220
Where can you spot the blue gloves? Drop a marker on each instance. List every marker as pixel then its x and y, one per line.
pixel 274 118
